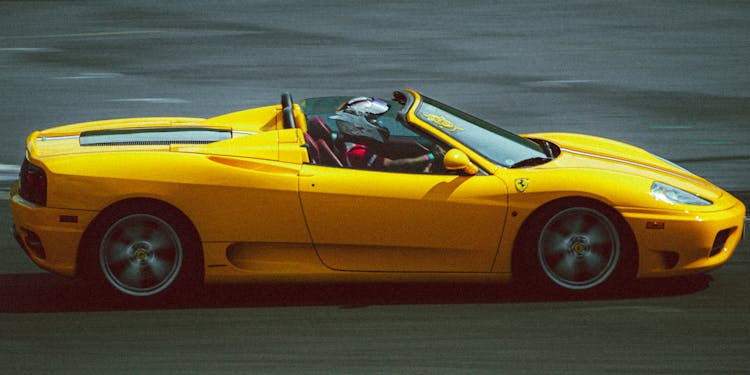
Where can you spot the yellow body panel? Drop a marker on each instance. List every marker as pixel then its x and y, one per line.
pixel 262 210
pixel 132 123
pixel 46 223
pixel 375 221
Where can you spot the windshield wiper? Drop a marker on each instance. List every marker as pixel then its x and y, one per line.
pixel 531 162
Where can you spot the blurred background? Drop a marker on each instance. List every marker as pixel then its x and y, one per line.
pixel 670 76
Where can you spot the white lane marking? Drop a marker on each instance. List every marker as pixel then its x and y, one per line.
pixel 89 75
pixel 8 174
pixel 9 170
pixel 670 127
pixel 715 143
pixel 29 50
pixel 559 83
pixel 79 35
pixel 646 309
pixel 151 100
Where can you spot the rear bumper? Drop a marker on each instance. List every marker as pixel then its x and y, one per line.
pixel 675 243
pixel 49 236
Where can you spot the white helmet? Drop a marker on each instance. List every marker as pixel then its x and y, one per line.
pixel 357 119
pixel 370 108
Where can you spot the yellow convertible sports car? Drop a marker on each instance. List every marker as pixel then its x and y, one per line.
pixel 359 189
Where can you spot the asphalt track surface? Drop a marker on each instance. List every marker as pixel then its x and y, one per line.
pixel 670 76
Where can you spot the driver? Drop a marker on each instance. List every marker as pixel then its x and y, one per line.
pixel 357 118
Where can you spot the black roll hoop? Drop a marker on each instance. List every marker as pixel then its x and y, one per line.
pixel 287 108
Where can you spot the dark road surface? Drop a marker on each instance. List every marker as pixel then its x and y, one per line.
pixel 669 76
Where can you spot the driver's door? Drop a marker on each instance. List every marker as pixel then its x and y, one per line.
pixel 363 220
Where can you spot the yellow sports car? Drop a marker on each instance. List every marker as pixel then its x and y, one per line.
pixel 359 189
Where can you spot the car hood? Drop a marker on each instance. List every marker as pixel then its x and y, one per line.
pixel 580 151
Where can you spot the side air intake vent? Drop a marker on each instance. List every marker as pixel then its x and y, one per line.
pixel 139 137
pixel 721 240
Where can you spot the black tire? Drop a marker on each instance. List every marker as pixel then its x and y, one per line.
pixel 143 250
pixel 575 246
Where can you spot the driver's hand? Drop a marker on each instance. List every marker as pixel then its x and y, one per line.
pixel 438 152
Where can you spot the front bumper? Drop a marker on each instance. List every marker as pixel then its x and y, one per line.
pixel 675 243
pixel 49 236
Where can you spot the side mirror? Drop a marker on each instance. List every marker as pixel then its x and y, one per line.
pixel 456 160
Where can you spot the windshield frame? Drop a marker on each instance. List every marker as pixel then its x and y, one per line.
pixel 490 141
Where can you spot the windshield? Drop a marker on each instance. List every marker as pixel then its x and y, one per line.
pixel 496 144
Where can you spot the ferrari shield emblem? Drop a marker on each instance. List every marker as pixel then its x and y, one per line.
pixel 522 184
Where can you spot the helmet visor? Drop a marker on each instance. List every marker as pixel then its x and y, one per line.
pixel 366 106
pixel 378 106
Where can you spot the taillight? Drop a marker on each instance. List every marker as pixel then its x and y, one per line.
pixel 33 183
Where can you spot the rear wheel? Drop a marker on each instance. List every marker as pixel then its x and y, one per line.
pixel 143 251
pixel 140 255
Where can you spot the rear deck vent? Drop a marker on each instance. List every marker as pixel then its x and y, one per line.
pixel 161 136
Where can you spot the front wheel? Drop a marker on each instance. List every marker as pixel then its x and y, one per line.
pixel 576 248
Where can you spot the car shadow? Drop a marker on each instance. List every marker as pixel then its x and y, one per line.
pixel 48 293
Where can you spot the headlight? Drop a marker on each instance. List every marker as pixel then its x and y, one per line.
pixel 673 195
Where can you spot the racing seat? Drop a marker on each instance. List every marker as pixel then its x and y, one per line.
pixel 324 138
pixel 327 156
pixel 312 149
